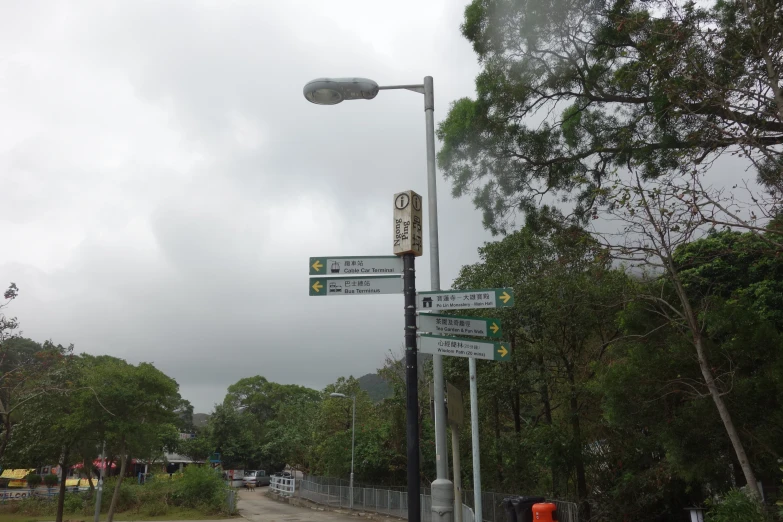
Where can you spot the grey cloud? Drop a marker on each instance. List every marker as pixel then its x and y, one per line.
pixel 165 200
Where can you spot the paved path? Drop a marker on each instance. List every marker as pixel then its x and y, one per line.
pixel 257 507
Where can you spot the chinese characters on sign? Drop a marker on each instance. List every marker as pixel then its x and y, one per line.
pixel 366 265
pixel 464 299
pixel 332 286
pixel 453 325
pixel 408 227
pixel 455 346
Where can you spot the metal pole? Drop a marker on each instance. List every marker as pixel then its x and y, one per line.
pixel 442 489
pixel 412 387
pixel 353 445
pixel 99 493
pixel 457 473
pixel 474 434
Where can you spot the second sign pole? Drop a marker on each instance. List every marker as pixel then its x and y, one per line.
pixel 412 387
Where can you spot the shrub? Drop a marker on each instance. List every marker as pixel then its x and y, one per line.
pixel 34 480
pixel 36 507
pixel 155 509
pixel 73 503
pixel 736 506
pixel 200 488
pixel 51 480
pixel 128 497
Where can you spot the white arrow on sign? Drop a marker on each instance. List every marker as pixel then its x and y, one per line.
pixel 461 347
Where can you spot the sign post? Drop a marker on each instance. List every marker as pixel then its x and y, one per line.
pixel 466 299
pixel 334 286
pixel 464 347
pixel 456 416
pixel 456 300
pixel 369 275
pixel 458 325
pixel 407 241
pixel 365 265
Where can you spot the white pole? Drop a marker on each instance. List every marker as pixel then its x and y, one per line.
pixel 457 473
pixel 353 442
pixel 474 433
pixel 442 488
pixel 99 493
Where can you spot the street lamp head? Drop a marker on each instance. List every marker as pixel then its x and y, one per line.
pixel 331 91
pixel 337 395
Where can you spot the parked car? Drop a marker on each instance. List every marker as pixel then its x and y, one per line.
pixel 256 478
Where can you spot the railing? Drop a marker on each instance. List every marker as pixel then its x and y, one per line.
pixel 493 510
pixel 282 485
pixel 392 502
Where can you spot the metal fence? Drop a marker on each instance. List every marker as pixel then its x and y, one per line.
pixel 393 500
pixel 282 485
pixel 493 510
pixel 231 501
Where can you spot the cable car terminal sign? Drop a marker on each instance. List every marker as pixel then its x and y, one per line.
pixel 333 276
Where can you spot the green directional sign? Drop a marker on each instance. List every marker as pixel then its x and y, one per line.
pixel 464 299
pixel 334 286
pixel 462 347
pixel 355 265
pixel 458 325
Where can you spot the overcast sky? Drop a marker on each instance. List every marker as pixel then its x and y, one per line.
pixel 164 181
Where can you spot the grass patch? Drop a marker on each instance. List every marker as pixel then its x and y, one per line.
pixel 197 494
pixel 172 514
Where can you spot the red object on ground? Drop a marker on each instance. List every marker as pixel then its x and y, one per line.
pixel 545 512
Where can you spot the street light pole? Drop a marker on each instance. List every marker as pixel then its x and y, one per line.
pixel 353 441
pixel 442 487
pixel 353 445
pixel 331 91
pixel 99 492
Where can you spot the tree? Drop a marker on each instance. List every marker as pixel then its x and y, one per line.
pixel 291 436
pixel 572 91
pixel 135 409
pixel 24 367
pixel 53 423
pixel 657 223
pixel 559 332
pixel 236 436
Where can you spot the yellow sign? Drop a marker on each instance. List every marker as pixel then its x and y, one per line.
pixel 503 352
pixel 494 327
pixel 317 266
pixel 317 286
pixel 16 473
pixel 505 297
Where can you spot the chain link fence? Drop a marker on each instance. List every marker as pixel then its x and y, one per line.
pixel 393 500
pixel 493 510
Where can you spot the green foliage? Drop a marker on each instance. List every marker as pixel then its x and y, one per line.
pixel 734 506
pixel 34 480
pixel 200 487
pixel 51 480
pixel 570 92
pixel 74 503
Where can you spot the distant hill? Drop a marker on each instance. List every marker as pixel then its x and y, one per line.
pixel 200 419
pixel 375 386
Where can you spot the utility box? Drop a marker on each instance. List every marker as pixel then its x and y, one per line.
pixel 544 512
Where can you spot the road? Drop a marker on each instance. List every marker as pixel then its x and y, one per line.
pixel 257 507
